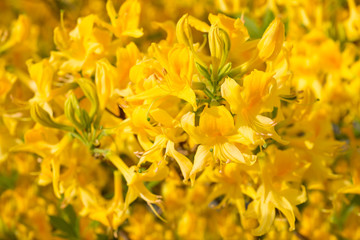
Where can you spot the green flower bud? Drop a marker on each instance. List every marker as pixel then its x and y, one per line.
pixel 39 115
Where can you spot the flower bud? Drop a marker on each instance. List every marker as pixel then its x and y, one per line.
pixel 219 43
pixel 89 89
pixel 183 31
pixel 72 110
pixel 271 42
pixel 41 116
pixel 104 81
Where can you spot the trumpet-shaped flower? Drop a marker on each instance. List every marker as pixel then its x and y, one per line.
pixel 126 21
pixel 80 49
pixel 218 138
pixel 257 95
pixel 276 191
pixel 174 77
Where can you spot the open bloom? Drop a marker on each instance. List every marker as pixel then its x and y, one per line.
pixel 258 95
pixel 172 73
pixel 218 139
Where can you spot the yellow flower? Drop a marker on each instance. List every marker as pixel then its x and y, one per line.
pixel 235 28
pixel 42 74
pixel 168 134
pixel 218 138
pixel 174 76
pixel 258 95
pixel 126 58
pixel 126 21
pixel 135 180
pixel 233 183
pixel 110 213
pixel 20 31
pixel 85 44
pixel 275 193
pixel 142 225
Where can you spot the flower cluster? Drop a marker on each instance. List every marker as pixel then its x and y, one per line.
pixel 161 120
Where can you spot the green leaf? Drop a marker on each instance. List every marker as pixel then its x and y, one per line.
pixel 274 112
pixel 38 114
pixel 101 237
pixel 268 18
pixel 71 214
pixel 252 28
pixel 203 71
pixel 59 224
pixel 356 127
pixel 339 219
pixel 151 185
pixel 8 181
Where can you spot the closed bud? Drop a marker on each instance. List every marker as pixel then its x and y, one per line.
pixel 183 31
pixel 72 110
pixel 203 71
pixel 104 81
pixel 89 89
pixel 39 115
pixel 219 43
pixel 272 40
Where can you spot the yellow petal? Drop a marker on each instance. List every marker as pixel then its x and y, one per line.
pixel 245 135
pixel 216 121
pixel 162 117
pixel 55 165
pixel 126 22
pixel 198 25
pixel 234 27
pixel 111 11
pixel 265 126
pixel 231 152
pixel 130 197
pixel 183 31
pixel 188 95
pixel 156 172
pixel 183 162
pixel 266 218
pixel 231 91
pixel 157 147
pixel 295 196
pixel 124 169
pixel 42 73
pixel 188 124
pixel 129 16
pixel 148 94
pixel 286 208
pixel 201 159
pixel 272 40
pixel 126 58
pixel 170 30
pixel 104 81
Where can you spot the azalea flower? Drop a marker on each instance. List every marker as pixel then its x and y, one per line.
pixel 217 136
